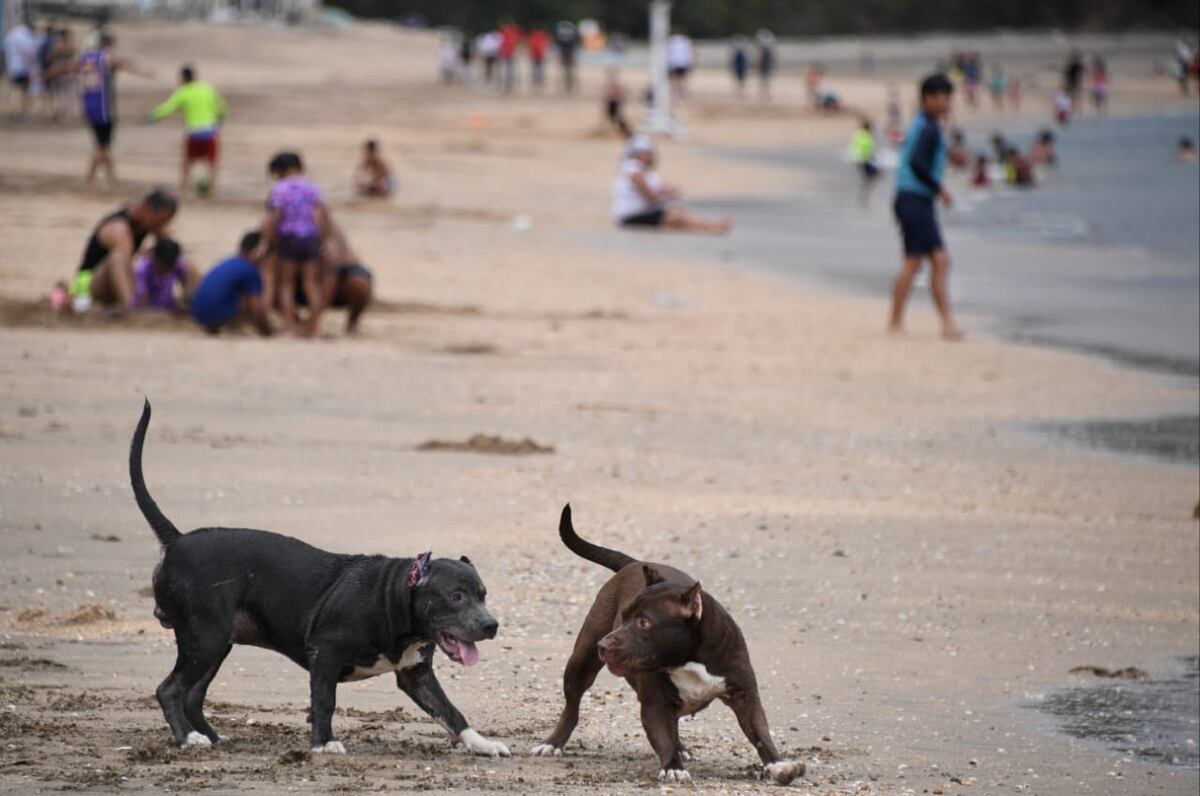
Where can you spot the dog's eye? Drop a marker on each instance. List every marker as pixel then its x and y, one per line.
pixel 643 623
pixel 457 597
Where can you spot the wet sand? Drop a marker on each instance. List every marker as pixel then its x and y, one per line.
pixel 907 564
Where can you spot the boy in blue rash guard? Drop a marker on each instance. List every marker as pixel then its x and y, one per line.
pixel 918 183
pixel 233 290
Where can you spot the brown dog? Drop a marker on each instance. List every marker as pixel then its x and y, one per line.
pixel 678 648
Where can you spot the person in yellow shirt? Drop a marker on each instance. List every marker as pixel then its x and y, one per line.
pixel 203 110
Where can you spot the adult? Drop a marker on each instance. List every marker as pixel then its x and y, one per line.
pixel 1100 85
pixel 106 269
pixel 203 110
pixel 1073 76
pixel 739 64
pixel 510 38
pixel 60 74
pixel 347 282
pixel 642 199
pixel 566 40
pixel 681 57
pixel 538 43
pixel 21 62
pixel 96 73
pixel 488 47
pixel 766 62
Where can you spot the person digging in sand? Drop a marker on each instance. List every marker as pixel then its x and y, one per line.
pixel 642 199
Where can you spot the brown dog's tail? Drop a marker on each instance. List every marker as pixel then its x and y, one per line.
pixel 164 529
pixel 613 559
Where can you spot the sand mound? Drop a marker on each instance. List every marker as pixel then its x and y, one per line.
pixel 486 443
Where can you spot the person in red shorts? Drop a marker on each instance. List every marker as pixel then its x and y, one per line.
pixel 203 111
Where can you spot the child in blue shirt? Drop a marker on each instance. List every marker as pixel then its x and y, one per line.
pixel 918 183
pixel 233 289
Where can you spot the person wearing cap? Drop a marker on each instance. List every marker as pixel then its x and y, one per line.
pixel 919 176
pixel 642 199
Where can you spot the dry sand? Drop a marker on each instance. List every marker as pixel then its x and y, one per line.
pixel 907 564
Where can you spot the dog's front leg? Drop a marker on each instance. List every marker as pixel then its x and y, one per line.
pixel 753 720
pixel 422 687
pixel 660 720
pixel 323 688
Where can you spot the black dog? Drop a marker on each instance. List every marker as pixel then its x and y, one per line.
pixel 676 645
pixel 341 617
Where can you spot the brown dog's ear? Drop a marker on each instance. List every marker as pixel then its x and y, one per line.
pixel 693 602
pixel 466 561
pixel 652 575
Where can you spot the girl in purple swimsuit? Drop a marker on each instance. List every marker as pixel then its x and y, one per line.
pixel 295 225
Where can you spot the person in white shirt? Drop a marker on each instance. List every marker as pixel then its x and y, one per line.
pixel 680 60
pixel 21 61
pixel 642 199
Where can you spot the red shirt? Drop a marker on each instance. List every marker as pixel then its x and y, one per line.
pixel 510 37
pixel 539 40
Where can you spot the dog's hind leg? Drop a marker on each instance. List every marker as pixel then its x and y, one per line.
pixel 193 704
pixel 578 677
pixel 196 654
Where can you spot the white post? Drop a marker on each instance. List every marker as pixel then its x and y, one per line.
pixel 660 120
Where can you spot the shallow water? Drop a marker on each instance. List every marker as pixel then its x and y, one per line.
pixel 1156 720
pixel 1173 439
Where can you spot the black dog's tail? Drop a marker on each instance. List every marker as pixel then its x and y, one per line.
pixel 164 529
pixel 613 559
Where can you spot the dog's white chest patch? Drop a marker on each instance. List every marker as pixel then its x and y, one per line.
pixel 412 656
pixel 696 686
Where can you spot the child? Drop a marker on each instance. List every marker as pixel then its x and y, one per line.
pixel 1062 107
pixel 918 183
pixel 1185 152
pixel 157 275
pixel 233 289
pixel 862 149
pixel 295 225
pixel 1018 171
pixel 373 176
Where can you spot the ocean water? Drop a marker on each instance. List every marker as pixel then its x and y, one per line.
pixel 1156 720
pixel 1118 184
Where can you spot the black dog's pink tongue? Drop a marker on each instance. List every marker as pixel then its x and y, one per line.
pixel 467 652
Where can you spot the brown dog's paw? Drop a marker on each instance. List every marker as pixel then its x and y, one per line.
pixel 546 750
pixel 783 771
pixel 674 775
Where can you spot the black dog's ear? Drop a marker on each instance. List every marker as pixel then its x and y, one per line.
pixel 466 561
pixel 693 602
pixel 652 575
pixel 418 572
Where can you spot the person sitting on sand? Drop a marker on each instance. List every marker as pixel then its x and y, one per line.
pixel 373 177
pixel 1185 152
pixel 295 224
pixel 1042 153
pixel 918 182
pixel 106 270
pixel 233 290
pixel 641 199
pixel 159 275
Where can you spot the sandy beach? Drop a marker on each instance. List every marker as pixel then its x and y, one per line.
pixel 912 566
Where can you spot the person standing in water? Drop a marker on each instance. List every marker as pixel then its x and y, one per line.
pixel 918 183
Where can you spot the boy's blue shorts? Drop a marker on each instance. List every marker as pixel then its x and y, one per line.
pixel 918 223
